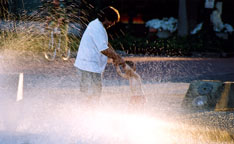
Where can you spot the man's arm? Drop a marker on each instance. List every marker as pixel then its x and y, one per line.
pixel 118 70
pixel 110 53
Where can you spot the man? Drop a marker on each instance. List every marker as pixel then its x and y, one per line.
pixel 93 52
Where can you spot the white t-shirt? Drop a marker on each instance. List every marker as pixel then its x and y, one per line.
pixel 93 41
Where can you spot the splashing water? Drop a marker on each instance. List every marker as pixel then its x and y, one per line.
pixel 26 31
pixel 52 110
pixel 51 115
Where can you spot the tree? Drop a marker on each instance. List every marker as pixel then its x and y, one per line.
pixel 182 19
pixel 3 9
pixel 193 10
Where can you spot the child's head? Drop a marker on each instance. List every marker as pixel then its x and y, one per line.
pixel 131 64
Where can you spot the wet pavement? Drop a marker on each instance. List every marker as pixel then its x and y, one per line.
pixel 151 69
pixel 162 69
pixel 51 89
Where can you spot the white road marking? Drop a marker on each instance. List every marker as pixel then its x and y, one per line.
pixel 20 87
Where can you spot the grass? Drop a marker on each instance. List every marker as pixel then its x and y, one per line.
pixel 26 41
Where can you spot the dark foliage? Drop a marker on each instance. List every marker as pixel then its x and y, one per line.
pixel 172 46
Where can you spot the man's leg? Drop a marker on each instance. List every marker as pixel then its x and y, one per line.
pixel 90 84
pixel 96 85
pixel 84 80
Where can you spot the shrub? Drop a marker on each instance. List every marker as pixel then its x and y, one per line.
pixel 172 46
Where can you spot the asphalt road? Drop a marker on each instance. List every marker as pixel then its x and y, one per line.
pixel 151 69
pixel 161 69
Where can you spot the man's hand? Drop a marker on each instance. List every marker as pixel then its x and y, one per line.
pixel 110 53
pixel 119 61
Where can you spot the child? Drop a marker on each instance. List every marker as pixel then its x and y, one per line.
pixel 138 97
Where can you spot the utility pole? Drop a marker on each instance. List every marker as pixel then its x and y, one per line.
pixel 182 19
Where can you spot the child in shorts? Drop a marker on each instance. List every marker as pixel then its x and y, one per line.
pixel 138 97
